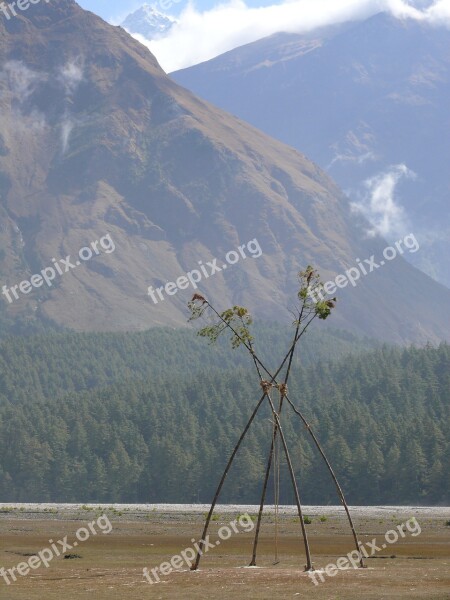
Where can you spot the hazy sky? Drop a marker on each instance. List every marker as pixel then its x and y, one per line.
pixel 207 28
pixel 110 9
pixel 117 10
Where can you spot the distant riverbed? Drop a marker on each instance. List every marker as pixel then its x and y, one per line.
pixel 34 510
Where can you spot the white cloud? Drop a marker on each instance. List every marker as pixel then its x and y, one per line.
pixel 66 129
pixel 439 13
pixel 71 75
pixel 348 158
pixel 17 83
pixel 201 35
pixel 21 80
pixel 379 203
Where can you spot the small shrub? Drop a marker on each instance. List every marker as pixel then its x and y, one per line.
pixel 246 516
pixel 323 519
pixel 7 509
pixel 307 520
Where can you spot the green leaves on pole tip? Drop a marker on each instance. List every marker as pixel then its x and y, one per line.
pixel 237 319
pixel 310 294
pixel 324 308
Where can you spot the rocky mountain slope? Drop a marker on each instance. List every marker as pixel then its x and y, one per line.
pixel 95 139
pixel 368 101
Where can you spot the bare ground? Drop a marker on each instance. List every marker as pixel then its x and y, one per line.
pixel 111 565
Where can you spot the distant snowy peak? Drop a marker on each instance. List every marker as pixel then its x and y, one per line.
pixel 149 22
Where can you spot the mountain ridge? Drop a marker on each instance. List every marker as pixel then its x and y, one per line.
pixel 149 22
pixel 97 139
pixel 367 102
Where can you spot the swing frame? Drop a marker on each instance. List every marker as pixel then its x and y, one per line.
pixel 237 321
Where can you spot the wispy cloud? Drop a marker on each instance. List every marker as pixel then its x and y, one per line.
pixel 17 83
pixel 439 12
pixel 21 80
pixel 71 75
pixel 379 203
pixel 66 129
pixel 359 159
pixel 201 35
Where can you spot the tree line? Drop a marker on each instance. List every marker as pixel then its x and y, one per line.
pixel 151 417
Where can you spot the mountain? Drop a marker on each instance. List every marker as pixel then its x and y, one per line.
pixel 149 22
pixel 368 102
pixel 97 141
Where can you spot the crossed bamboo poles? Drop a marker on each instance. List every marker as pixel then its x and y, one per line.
pixel 237 321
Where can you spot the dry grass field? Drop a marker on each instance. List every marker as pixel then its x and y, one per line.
pixel 110 566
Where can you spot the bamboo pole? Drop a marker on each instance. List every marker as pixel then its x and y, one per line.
pixel 308 566
pixel 335 479
pixel 222 481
